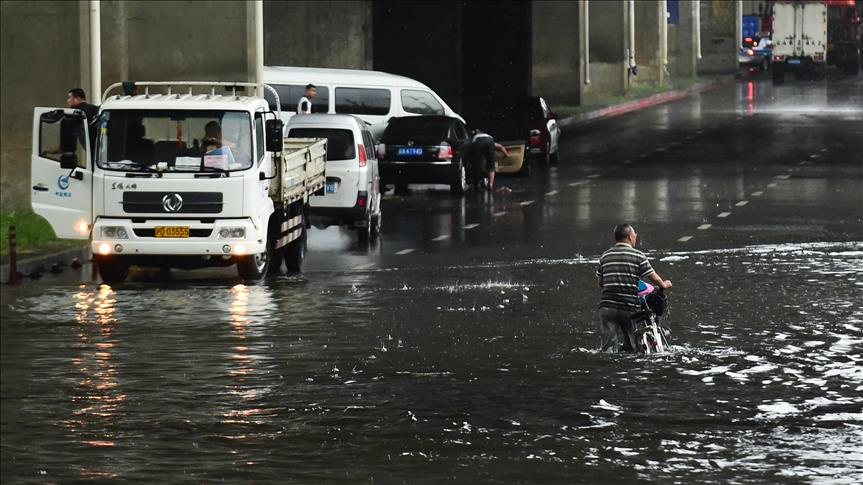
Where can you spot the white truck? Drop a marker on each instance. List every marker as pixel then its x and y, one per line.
pixel 177 174
pixel 799 38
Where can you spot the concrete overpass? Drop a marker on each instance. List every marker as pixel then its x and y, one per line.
pixel 471 53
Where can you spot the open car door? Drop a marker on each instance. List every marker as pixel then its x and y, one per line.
pixel 61 172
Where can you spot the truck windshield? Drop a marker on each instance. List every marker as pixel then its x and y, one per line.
pixel 175 141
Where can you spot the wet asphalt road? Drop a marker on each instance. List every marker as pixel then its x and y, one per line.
pixel 462 345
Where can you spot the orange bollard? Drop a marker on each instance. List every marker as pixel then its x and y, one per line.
pixel 13 259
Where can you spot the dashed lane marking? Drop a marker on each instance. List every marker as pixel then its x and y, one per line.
pixel 525 203
pixel 364 266
pixel 442 237
pixel 405 251
pixel 742 203
pixel 593 176
pixel 757 193
pixel 684 239
pixel 804 162
pixel 470 226
pixel 723 215
pixel 580 182
pixel 782 177
pixel 625 162
pixel 823 150
pixel 771 185
pixel 551 192
pixel 498 214
pixel 704 227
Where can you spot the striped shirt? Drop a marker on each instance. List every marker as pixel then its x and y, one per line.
pixel 620 268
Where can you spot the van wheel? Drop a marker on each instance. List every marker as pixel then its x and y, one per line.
pixel 255 266
pixel 112 269
pixel 458 185
pixel 294 252
pixel 364 232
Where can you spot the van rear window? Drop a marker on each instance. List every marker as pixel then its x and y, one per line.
pixel 340 143
pixel 290 94
pixel 362 101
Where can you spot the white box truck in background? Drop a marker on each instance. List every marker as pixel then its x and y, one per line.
pixel 799 38
pixel 177 179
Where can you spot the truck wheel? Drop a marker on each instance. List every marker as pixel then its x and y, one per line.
pixel 112 269
pixel 255 266
pixel 294 252
pixel 458 185
pixel 778 73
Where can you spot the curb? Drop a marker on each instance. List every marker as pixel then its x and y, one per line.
pixel 637 104
pixel 45 262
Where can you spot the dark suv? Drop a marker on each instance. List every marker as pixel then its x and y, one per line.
pixel 423 150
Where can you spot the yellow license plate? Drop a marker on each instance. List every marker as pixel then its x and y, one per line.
pixel 172 231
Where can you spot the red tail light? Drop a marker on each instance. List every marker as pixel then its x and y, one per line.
pixel 362 198
pixel 750 52
pixel 444 151
pixel 819 57
pixel 535 138
pixel 362 151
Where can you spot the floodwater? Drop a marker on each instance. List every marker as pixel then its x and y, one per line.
pixel 463 346
pixel 484 373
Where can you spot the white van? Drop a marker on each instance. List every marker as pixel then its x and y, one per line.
pixel 352 194
pixel 372 95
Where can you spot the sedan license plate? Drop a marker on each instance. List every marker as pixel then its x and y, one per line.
pixel 331 187
pixel 410 151
pixel 172 231
pixel 793 61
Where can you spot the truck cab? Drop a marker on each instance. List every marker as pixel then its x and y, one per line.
pixel 171 179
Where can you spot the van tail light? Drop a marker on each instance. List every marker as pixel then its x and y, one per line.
pixel 382 151
pixel 362 151
pixel 444 151
pixel 535 138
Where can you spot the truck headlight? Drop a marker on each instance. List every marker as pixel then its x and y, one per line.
pixel 114 232
pixel 232 232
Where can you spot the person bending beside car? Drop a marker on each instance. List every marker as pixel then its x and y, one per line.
pixel 618 273
pixel 482 155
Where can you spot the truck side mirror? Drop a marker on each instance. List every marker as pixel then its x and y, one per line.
pixel 69 129
pixel 274 130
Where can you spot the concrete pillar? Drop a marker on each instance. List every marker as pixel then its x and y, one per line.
pixel 606 48
pixel 650 50
pixel 555 46
pixel 682 42
pixel 720 36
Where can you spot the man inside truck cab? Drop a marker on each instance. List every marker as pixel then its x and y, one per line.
pixel 216 153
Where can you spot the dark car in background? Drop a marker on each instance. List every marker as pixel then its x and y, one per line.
pixel 527 119
pixel 423 149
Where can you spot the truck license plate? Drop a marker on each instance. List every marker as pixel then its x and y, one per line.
pixel 793 61
pixel 172 231
pixel 331 187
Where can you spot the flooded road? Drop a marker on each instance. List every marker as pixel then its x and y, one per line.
pixel 463 345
